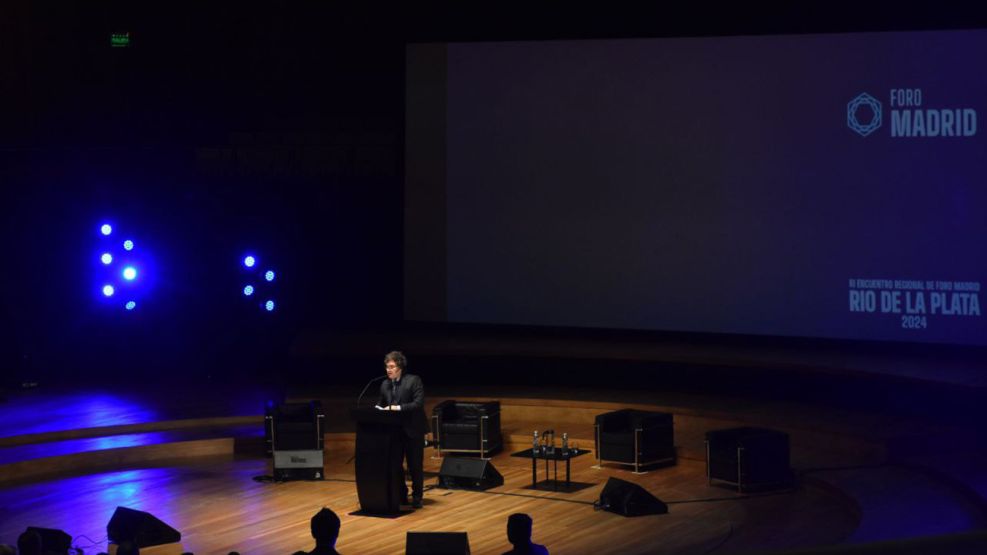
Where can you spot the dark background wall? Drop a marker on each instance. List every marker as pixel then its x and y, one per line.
pixel 228 126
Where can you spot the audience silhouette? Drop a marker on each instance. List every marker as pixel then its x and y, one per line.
pixel 519 534
pixel 325 530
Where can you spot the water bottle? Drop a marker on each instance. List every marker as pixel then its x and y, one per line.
pixel 565 445
pixel 534 445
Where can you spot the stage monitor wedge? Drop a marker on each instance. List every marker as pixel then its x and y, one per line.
pixel 629 499
pixel 437 543
pixel 466 473
pixel 144 529
pixel 52 540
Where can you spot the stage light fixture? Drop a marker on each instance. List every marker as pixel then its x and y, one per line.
pixel 131 270
pixel 262 288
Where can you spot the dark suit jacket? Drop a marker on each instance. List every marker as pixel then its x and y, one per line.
pixel 410 395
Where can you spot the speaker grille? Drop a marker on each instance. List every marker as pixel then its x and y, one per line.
pixel 465 473
pixel 144 529
pixel 629 499
pixel 437 543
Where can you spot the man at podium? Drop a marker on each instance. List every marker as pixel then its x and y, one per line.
pixel 404 392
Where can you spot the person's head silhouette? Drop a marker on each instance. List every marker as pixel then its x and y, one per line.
pixel 519 534
pixel 325 528
pixel 519 529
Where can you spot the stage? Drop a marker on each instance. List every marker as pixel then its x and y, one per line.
pixel 218 506
pixel 68 459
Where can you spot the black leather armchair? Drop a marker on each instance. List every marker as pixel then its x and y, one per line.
pixel 635 437
pixel 748 457
pixel 463 427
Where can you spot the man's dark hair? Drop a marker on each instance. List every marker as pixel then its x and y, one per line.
pixel 519 529
pixel 398 358
pixel 325 527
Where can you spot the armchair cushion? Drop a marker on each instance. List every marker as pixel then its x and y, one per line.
pixel 458 410
pixel 459 425
pixel 765 453
pixel 618 432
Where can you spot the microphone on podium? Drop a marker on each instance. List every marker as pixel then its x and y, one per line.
pixel 360 398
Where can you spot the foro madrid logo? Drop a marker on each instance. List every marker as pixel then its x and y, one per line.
pixel 857 112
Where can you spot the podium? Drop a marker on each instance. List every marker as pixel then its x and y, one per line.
pixel 379 474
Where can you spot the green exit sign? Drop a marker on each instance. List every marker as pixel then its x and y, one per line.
pixel 120 40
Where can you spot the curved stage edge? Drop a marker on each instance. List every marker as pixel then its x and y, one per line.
pixel 857 483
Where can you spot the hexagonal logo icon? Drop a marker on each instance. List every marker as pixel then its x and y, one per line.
pixel 863 114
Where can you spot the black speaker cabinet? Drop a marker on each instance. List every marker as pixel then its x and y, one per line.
pixel 52 540
pixel 144 529
pixel 437 543
pixel 629 499
pixel 294 436
pixel 464 473
pixel 748 457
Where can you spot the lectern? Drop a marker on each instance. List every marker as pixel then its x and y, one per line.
pixel 379 475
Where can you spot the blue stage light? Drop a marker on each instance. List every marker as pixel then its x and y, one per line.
pixel 108 290
pixel 128 245
pixel 130 305
pixel 269 276
pixel 106 229
pixel 269 306
pixel 106 258
pixel 248 290
pixel 249 261
pixel 129 273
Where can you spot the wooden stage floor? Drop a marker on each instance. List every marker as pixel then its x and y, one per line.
pixel 219 507
pixel 69 458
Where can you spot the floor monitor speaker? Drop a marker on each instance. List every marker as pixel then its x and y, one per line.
pixel 466 473
pixel 629 499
